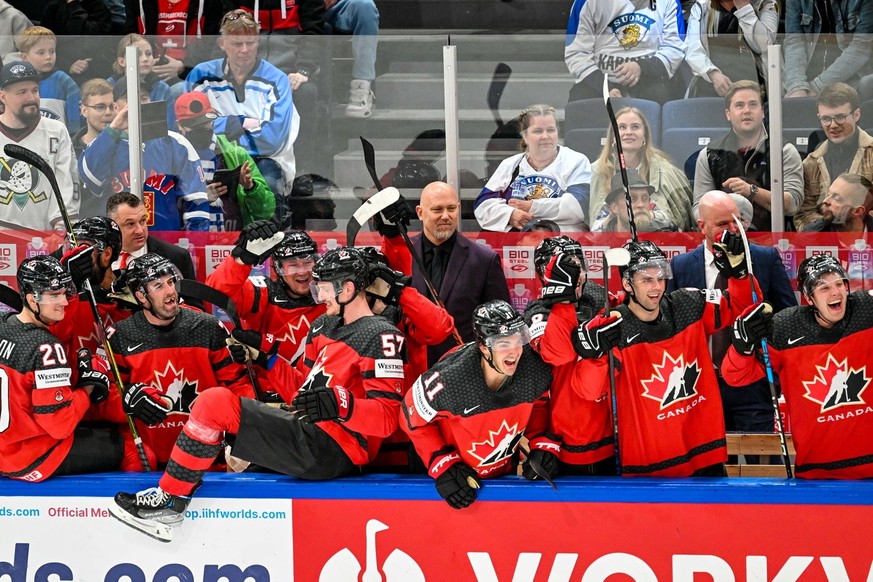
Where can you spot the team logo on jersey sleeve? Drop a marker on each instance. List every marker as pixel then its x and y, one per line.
pixel 535 187
pixel 630 29
pixel 837 384
pixel 499 445
pixel 672 381
pixel 18 183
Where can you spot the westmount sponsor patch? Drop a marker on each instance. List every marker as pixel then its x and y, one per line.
pixel 54 378
pixel 389 368
pixel 420 400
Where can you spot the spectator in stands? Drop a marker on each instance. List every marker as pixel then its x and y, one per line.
pixel 98 110
pixel 58 93
pixel 250 199
pixel 544 181
pixel 178 28
pixel 359 18
pixel 464 274
pixel 157 89
pixel 173 189
pixel 848 148
pixel 131 215
pixel 80 26
pixel 827 41
pixel 739 161
pixel 12 23
pixel 253 101
pixel 647 217
pixel 26 198
pixel 847 206
pixel 672 191
pixel 637 47
pixel 727 41
pixel 749 409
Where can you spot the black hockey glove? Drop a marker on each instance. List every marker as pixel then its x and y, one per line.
pixel 323 403
pixel 79 261
pixel 256 241
pixel 729 256
pixel 458 485
pixel 93 372
pixel 386 221
pixel 544 452
pixel 387 284
pixel 595 337
pixel 751 327
pixel 146 403
pixel 249 344
pixel 560 278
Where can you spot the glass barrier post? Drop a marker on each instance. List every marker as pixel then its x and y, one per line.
pixel 453 142
pixel 774 103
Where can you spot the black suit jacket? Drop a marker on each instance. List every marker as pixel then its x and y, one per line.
pixel 474 275
pixel 175 254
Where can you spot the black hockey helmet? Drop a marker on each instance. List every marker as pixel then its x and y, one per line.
pixel 374 258
pixel 296 245
pixel 147 268
pixel 645 254
pixel 102 232
pixel 550 247
pixel 811 270
pixel 340 265
pixel 497 319
pixel 43 273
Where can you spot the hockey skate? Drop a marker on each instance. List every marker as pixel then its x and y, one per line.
pixel 153 511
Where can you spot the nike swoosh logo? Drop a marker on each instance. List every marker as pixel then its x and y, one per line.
pixel 131 348
pixel 469 410
pixel 315 330
pixel 631 338
pixel 793 341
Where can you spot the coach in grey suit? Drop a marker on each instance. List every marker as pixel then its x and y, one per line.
pixel 748 408
pixel 464 273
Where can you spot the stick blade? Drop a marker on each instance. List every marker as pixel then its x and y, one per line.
pixel 370 208
pixel 617 257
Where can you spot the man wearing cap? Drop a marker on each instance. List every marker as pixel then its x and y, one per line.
pixel 26 197
pixel 251 199
pixel 748 409
pixel 614 217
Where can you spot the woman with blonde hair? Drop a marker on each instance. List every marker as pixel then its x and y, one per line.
pixel 544 181
pixel 727 41
pixel 672 192
pixel 158 90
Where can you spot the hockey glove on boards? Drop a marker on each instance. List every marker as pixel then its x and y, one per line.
pixel 79 262
pixel 729 256
pixel 387 284
pixel 543 451
pixel 92 372
pixel 751 327
pixel 247 343
pixel 560 278
pixel 256 241
pixel 323 403
pixel 595 337
pixel 456 481
pixel 146 403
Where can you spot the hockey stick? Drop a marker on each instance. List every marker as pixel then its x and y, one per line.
pixel 783 441
pixel 203 292
pixel 11 298
pixel 538 468
pixel 617 257
pixel 495 90
pixel 370 208
pixel 370 161
pixel 622 164
pixel 32 158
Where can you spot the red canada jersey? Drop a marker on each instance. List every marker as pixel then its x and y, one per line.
pixel 582 427
pixel 181 360
pixel 826 377
pixel 670 418
pixel 173 29
pixel 265 306
pixel 366 357
pixel 451 408
pixel 39 409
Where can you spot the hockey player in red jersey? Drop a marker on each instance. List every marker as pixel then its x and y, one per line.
pixel 168 356
pixel 42 407
pixel 468 413
pixel 579 438
pixel 670 420
pixel 284 307
pixel 820 352
pixel 346 399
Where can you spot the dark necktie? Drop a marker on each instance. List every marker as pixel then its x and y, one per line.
pixel 721 340
pixel 437 267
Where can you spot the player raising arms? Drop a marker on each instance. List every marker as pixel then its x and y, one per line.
pixel 821 353
pixel 468 413
pixel 345 398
